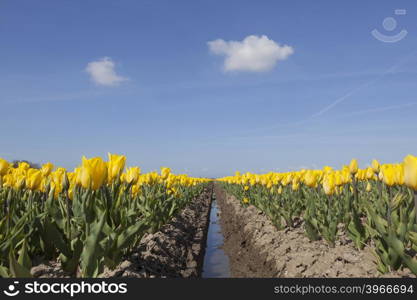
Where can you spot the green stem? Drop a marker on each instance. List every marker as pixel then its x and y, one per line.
pixel 415 203
pixel 355 190
pixel 389 205
pixel 68 215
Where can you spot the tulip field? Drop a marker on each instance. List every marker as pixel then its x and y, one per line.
pixel 375 206
pixel 87 219
pixel 90 218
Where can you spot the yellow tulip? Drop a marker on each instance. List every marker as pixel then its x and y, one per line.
pixel 388 174
pixel 115 165
pixel 33 179
pixel 361 174
pixel 135 189
pixel 346 176
pixel 338 180
pixel 329 185
pixel 23 166
pixel 370 173
pixel 399 174
pixel 93 173
pixel 132 175
pixel 47 169
pixel 327 169
pixel 375 166
pixel 165 172
pixel 410 171
pixel 85 178
pixel 71 193
pixel 368 187
pixel 353 166
pixel 18 180
pixel 311 179
pixel 4 166
pixel 295 185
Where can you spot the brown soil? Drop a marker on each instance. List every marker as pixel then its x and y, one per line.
pixel 177 250
pixel 257 249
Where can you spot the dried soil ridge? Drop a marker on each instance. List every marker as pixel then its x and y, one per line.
pixel 257 249
pixel 176 251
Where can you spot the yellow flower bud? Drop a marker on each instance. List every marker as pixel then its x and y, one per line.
pixel 329 185
pixel 4 166
pixel 310 179
pixel 93 173
pixel 410 171
pixel 353 166
pixel 47 169
pixel 165 172
pixel 375 166
pixel 132 175
pixel 388 174
pixel 115 166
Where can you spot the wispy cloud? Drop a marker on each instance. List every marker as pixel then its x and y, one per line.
pixel 253 53
pixel 250 136
pixel 379 109
pixel 393 69
pixel 102 72
pixel 361 87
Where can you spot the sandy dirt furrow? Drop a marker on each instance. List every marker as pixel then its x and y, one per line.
pixel 257 249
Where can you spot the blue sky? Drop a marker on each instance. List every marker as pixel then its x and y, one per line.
pixel 169 99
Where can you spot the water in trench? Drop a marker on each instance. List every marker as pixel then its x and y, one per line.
pixel 216 262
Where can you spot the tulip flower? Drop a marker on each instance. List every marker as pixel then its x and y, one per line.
pixel 353 166
pixel 295 185
pixel 388 174
pixel 375 166
pixel 329 185
pixel 4 166
pixel 410 171
pixel 131 175
pixel 33 179
pixel 18 181
pixel 370 174
pixel 115 166
pixel 311 179
pixel 165 172
pixel 23 166
pixel 368 187
pixel 93 173
pixel 47 169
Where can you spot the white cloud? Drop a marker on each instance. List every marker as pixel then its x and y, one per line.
pixel 102 72
pixel 254 53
